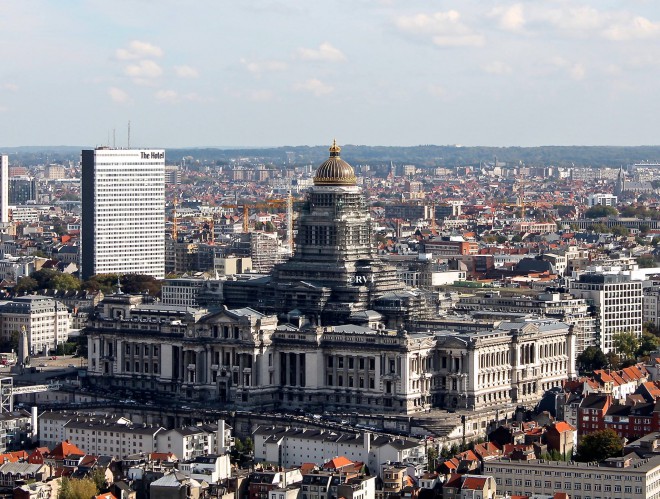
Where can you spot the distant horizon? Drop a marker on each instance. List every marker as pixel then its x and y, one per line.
pixel 456 146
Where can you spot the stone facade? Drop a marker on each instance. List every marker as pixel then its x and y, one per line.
pixel 243 358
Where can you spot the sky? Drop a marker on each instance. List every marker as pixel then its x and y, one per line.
pixel 238 73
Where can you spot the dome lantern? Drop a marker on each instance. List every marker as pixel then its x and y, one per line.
pixel 335 171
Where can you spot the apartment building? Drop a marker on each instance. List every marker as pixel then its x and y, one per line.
pixel 620 477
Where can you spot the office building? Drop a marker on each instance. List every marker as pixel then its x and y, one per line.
pixel 4 189
pixel 123 212
pixel 22 190
pixel 628 476
pixel 618 304
pixel 602 200
pixel 46 322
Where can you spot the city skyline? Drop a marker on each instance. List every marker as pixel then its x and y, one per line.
pixel 270 73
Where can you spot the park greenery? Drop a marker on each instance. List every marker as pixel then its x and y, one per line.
pixel 628 349
pixel 600 211
pixel 599 445
pixel 107 283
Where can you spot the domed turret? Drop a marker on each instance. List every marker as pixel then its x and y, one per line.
pixel 335 171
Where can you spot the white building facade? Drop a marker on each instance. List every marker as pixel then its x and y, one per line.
pixel 4 189
pixel 601 199
pixel 45 321
pixel 628 477
pixel 123 212
pixel 291 447
pixel 618 302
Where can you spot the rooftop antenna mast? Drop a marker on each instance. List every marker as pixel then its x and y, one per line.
pixel 129 134
pixel 114 138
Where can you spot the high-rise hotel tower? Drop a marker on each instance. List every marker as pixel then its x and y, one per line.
pixel 4 189
pixel 123 212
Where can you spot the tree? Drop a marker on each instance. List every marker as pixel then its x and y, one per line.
pixel 599 228
pixel 248 445
pixel 626 345
pixel 67 348
pixel 648 344
pixel 613 360
pixel 26 285
pixel 138 283
pixel 73 488
pixel 591 359
pixel 620 231
pixel 98 477
pixel 599 445
pixel 65 282
pixel 600 211
pixel 432 456
pixel 646 262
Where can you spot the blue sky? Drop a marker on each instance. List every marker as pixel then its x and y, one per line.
pixel 388 72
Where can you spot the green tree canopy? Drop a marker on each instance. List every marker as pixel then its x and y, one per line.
pixel 599 211
pixel 130 283
pixel 648 344
pixel 599 445
pixel 591 359
pixel 626 345
pixel 65 282
pixel 613 360
pixel 646 262
pixel 26 285
pixel 73 488
pixel 53 279
pixel 620 230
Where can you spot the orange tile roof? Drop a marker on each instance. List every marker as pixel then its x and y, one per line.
pixel 563 426
pixel 64 449
pixel 338 463
pixel 306 468
pixel 468 455
pixel 474 483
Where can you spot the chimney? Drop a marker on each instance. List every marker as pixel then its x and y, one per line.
pixel 367 442
pixel 221 441
pixel 34 421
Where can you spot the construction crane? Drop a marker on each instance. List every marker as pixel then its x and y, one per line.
pixel 175 203
pixel 270 203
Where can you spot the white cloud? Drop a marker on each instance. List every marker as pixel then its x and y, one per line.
pixel 261 95
pixel 186 72
pixel 12 87
pixel 438 91
pixel 326 52
pixel 496 68
pixel 167 95
pixel 143 69
pixel 138 50
pixel 511 18
pixel 118 95
pixel 577 72
pixel 635 28
pixel 315 87
pixel 586 21
pixel 258 67
pixel 445 29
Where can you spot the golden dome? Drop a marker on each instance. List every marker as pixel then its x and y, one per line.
pixel 335 171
